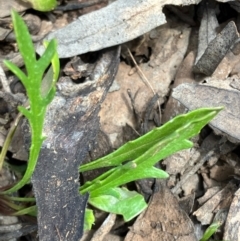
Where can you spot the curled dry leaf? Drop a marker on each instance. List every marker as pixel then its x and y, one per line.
pixel 216 50
pixel 208 28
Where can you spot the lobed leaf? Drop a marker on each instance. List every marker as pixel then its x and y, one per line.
pixel 38 101
pixel 170 138
pixel 105 193
pixel 183 126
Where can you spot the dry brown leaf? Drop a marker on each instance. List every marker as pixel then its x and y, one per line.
pixel 162 220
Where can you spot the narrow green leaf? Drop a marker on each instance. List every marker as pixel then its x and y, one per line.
pixel 180 129
pixel 18 72
pixel 20 199
pixel 47 56
pixel 24 42
pixel 129 204
pixel 120 176
pixel 32 211
pixel 24 111
pixel 186 126
pixel 51 77
pixel 56 66
pixel 47 82
pixel 55 62
pixel 6 146
pixel 210 231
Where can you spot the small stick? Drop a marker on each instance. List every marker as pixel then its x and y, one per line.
pixel 145 79
pixel 58 233
pixel 105 228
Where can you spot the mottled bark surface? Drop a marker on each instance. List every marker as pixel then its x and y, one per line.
pixel 71 124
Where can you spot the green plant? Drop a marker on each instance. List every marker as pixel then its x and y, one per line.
pixel 40 91
pixel 43 5
pixel 142 153
pixel 106 191
pixel 212 229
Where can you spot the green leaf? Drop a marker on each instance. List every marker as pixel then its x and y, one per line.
pixel 21 199
pixel 32 211
pixel 120 176
pixel 18 72
pixel 181 127
pixel 47 82
pixel 24 42
pixel 55 65
pixel 210 231
pixel 55 62
pixel 127 203
pixel 48 89
pixel 170 138
pixel 89 219
pixel 24 111
pixel 47 56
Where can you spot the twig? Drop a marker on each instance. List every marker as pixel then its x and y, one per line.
pixel 58 233
pixel 145 79
pixel 105 228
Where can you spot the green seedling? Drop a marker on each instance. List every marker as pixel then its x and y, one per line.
pixel 212 229
pixel 40 90
pixel 133 161
pixel 142 154
pixel 42 5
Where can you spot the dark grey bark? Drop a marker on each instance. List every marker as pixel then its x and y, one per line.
pixel 71 124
